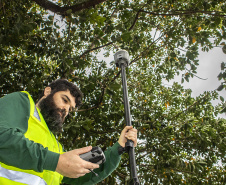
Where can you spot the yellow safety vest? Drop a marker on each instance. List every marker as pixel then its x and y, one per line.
pixel 38 132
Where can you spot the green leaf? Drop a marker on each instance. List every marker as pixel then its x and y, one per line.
pixel 115 86
pixel 69 11
pixel 221 98
pixel 223 110
pixel 33 9
pixel 224 49
pixel 223 66
pixel 220 87
pixel 126 36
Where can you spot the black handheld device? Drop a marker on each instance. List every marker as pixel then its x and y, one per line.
pixel 96 155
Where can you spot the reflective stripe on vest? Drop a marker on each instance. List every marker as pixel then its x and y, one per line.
pixel 21 177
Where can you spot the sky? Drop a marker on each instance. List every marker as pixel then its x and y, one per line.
pixel 209 68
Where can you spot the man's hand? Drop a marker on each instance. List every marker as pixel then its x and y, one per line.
pixel 128 133
pixel 71 165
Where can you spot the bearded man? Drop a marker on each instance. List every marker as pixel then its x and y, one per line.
pixel 30 153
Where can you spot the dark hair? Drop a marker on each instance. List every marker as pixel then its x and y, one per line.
pixel 64 85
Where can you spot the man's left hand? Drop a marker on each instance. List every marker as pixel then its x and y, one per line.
pixel 128 133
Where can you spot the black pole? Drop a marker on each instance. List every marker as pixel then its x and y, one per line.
pixel 122 60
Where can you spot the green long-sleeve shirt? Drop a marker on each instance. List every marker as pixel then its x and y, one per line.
pixel 18 151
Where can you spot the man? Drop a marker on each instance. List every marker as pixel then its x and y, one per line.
pixel 30 153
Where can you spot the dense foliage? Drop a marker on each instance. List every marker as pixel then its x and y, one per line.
pixel 181 140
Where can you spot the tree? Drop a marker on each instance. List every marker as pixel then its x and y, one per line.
pixel 181 140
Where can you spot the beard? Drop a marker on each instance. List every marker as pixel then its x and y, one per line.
pixel 53 116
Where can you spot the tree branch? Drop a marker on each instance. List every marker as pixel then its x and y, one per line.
pixel 196 75
pixel 186 12
pixel 99 47
pixel 191 106
pixel 48 5
pixel 136 18
pixel 134 22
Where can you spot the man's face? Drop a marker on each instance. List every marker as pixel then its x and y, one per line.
pixel 55 107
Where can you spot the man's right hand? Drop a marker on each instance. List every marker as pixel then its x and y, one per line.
pixel 71 165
